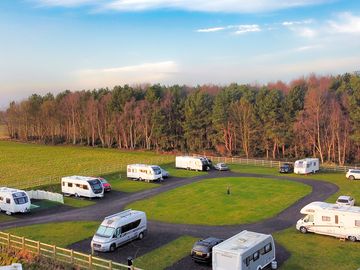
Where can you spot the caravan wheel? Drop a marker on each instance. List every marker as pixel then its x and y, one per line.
pixel 76 195
pixel 140 179
pixel 352 238
pixel 8 213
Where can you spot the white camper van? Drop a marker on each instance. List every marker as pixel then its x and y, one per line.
pixel 192 163
pixel 331 219
pixel 144 172
pixel 118 229
pixel 84 186
pixel 14 201
pixel 244 251
pixel 307 165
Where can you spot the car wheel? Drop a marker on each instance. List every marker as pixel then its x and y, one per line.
pixel 112 248
pixel 303 229
pixel 141 236
pixel 76 195
pixel 351 177
pixel 352 238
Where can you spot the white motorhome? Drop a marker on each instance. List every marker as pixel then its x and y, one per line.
pixel 330 219
pixel 84 186
pixel 144 172
pixel 244 251
pixel 118 229
pixel 14 201
pixel 192 163
pixel 307 165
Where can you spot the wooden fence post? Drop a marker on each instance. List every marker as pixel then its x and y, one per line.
pixel 54 251
pixel 110 265
pixel 72 256
pixel 8 240
pixel 23 242
pixel 38 248
pixel 90 261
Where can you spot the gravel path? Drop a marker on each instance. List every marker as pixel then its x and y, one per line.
pixel 161 233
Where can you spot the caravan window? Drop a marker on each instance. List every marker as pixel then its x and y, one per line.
pixel 268 248
pixel 70 185
pixel 157 170
pixel 20 197
pixel 314 163
pixel 8 200
pixel 325 218
pixel 308 165
pixel 256 256
pixel 77 185
pixel 85 187
pixel 300 164
pixel 1 198
pixel 247 260
pixel 357 223
pixel 63 183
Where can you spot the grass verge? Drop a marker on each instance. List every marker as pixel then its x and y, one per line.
pixel 166 255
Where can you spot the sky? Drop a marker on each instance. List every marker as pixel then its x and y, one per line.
pixel 54 45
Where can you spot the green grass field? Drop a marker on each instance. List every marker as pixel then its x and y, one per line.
pixel 61 234
pixel 251 200
pixel 166 255
pixel 318 252
pixel 35 164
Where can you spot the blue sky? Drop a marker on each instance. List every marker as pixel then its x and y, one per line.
pixel 53 45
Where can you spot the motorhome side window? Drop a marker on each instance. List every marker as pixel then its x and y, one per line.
pixel 357 223
pixel 256 256
pixel 247 260
pixel 118 232
pixel 268 248
pixel 130 226
pixel 325 218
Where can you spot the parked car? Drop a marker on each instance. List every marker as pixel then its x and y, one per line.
pixel 353 174
pixel 202 249
pixel 165 174
pixel 345 200
pixel 286 168
pixel 106 185
pixel 221 167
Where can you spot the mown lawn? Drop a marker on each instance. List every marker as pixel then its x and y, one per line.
pixel 166 255
pixel 251 200
pixel 60 234
pixel 346 187
pixel 318 252
pixel 36 164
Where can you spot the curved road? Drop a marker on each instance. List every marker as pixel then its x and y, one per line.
pixel 116 201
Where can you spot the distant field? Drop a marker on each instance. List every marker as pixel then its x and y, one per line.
pixel 249 201
pixel 39 164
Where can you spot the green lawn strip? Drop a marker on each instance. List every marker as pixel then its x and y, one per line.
pixel 251 200
pixel 317 252
pixel 4 217
pixel 166 255
pixel 77 202
pixel 61 234
pixel 346 187
pixel 119 182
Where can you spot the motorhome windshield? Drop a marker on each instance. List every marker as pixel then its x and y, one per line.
pixel 95 185
pixel 20 198
pixel 104 231
pixel 157 170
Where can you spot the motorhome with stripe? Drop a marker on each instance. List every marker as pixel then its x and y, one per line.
pixel 330 219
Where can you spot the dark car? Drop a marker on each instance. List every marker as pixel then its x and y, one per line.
pixel 105 184
pixel 202 249
pixel 286 168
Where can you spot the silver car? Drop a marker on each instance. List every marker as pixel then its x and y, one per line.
pixel 221 167
pixel 345 200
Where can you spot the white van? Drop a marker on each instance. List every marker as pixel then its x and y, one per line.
pixel 118 229
pixel 192 163
pixel 84 186
pixel 244 251
pixel 144 172
pixel 307 165
pixel 330 219
pixel 14 201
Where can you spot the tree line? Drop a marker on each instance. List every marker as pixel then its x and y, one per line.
pixel 312 116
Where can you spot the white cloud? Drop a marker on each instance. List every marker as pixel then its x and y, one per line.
pixel 246 28
pixel 233 6
pixel 147 72
pixel 305 32
pixel 291 23
pixel 346 23
pixel 208 30
pixel 306 48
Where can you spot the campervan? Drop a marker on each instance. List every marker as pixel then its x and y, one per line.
pixel 244 251
pixel 84 186
pixel 144 172
pixel 192 163
pixel 14 201
pixel 118 229
pixel 330 219
pixel 307 165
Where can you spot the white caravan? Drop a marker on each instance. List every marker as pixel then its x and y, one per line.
pixel 14 201
pixel 307 165
pixel 330 219
pixel 144 172
pixel 244 251
pixel 192 163
pixel 118 229
pixel 84 186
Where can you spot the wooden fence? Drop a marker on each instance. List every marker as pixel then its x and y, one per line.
pixel 81 260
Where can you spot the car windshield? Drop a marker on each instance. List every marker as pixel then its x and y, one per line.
pixel 201 248
pixel 157 170
pixel 342 201
pixel 222 165
pixel 104 231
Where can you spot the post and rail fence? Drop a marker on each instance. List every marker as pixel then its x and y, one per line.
pixel 120 170
pixel 78 259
